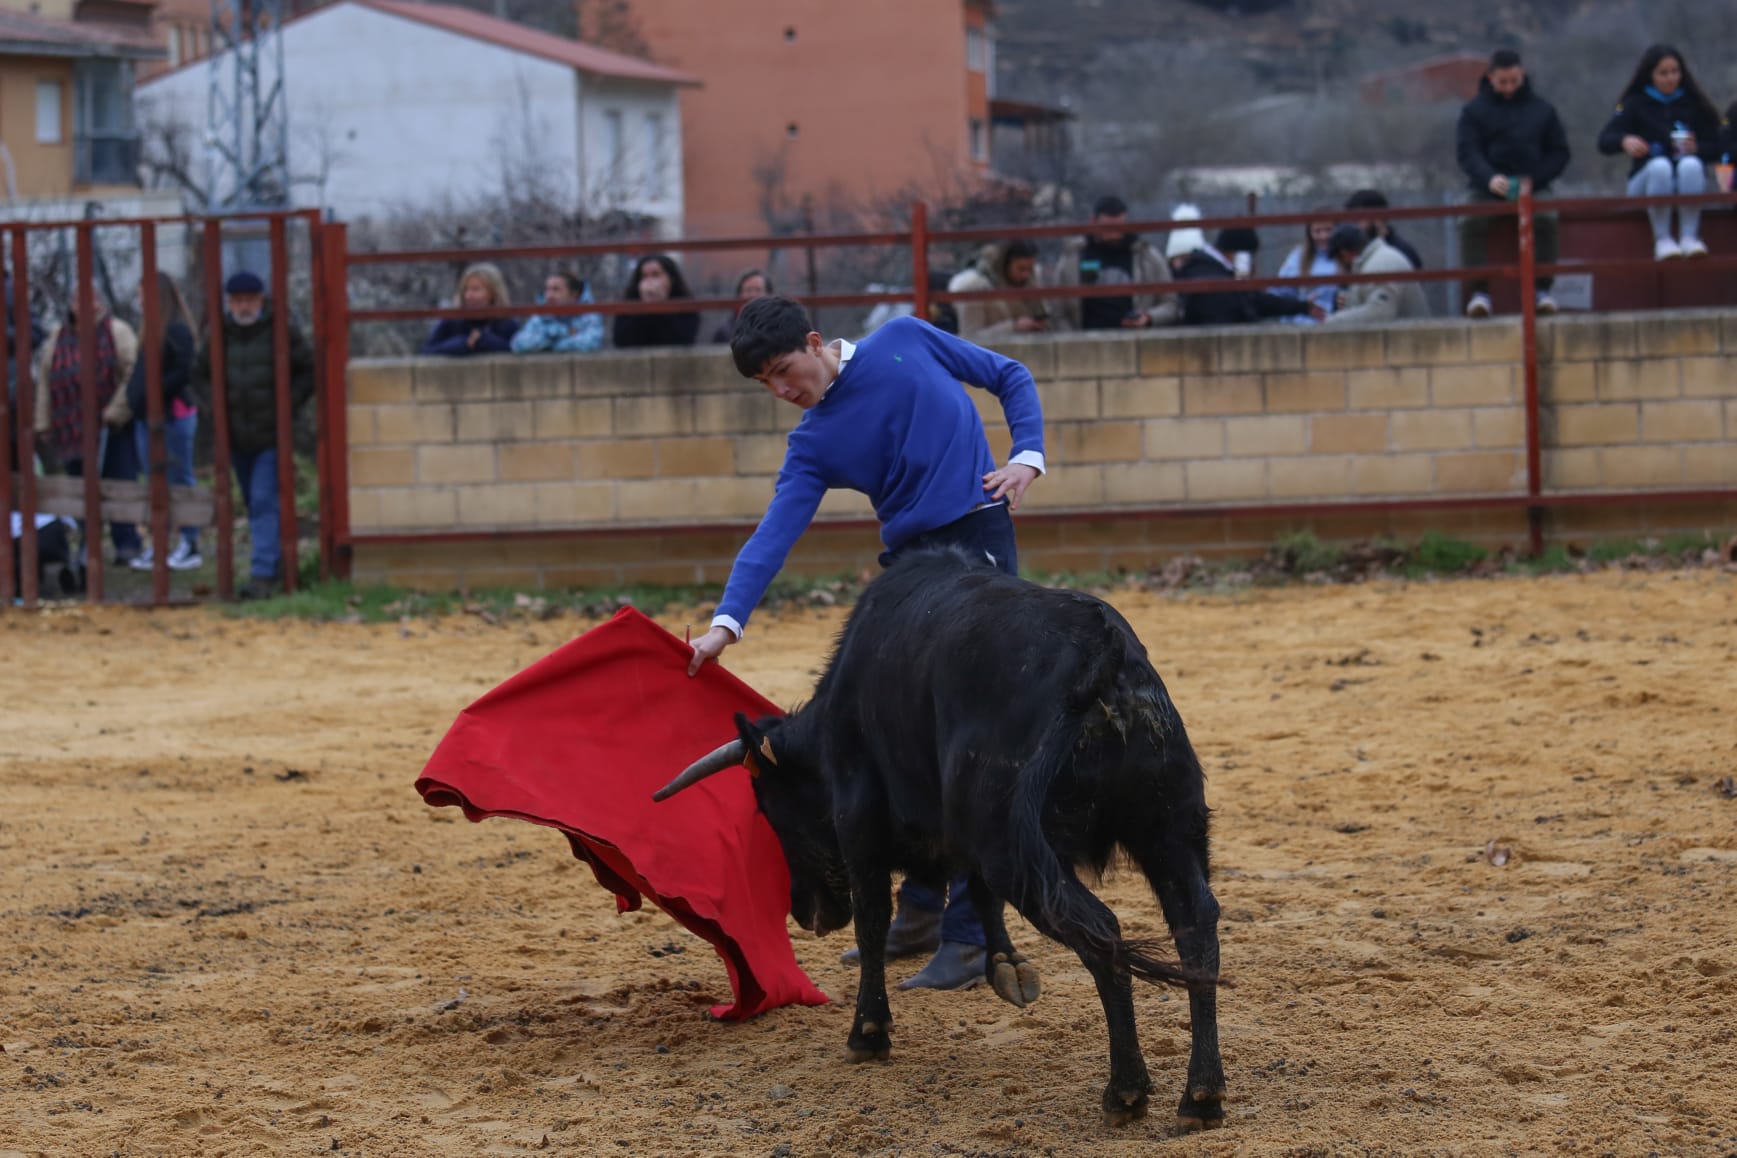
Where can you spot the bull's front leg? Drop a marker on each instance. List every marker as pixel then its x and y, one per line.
pixel 872 912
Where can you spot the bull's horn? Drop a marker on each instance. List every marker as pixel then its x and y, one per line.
pixel 727 756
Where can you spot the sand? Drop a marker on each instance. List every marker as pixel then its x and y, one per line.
pixel 231 926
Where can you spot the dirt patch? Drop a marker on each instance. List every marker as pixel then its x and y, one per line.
pixel 231 927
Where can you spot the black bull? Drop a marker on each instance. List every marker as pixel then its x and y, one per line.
pixel 972 721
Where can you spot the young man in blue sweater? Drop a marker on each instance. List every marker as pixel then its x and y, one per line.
pixel 887 417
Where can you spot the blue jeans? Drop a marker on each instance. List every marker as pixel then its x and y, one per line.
pixel 1663 177
pixel 987 531
pixel 178 444
pixel 256 475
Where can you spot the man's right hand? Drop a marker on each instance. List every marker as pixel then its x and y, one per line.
pixel 710 646
pixel 1030 325
pixel 1499 185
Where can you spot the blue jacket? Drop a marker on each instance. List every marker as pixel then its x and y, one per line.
pixel 452 337
pixel 568 334
pixel 895 426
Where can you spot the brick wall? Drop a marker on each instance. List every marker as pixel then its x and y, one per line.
pixel 664 459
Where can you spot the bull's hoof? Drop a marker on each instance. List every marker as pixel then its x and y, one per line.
pixel 1015 980
pixel 1200 1109
pixel 868 1042
pixel 1122 1107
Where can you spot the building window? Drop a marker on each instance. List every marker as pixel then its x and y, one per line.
pixel 174 45
pixel 976 50
pixel 48 112
pixel 654 157
pixel 615 149
pixel 107 145
pixel 979 140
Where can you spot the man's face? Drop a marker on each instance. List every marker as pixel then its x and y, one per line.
pixel 1507 81
pixel 1020 270
pixel 799 377
pixel 557 292
pixel 1109 226
pixel 244 308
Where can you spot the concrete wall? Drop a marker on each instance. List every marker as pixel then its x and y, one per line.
pixel 666 459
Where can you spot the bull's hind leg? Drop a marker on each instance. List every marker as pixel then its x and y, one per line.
pixel 1088 927
pixel 1178 876
pixel 1013 978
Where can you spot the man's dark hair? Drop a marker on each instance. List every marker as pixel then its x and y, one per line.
pixel 768 328
pixel 1109 205
pixel 573 280
pixel 1014 250
pixel 1504 58
pixel 1346 238
pixel 1366 199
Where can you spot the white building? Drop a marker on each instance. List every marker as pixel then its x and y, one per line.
pixel 395 105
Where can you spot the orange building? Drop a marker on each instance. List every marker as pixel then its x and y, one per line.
pixel 835 105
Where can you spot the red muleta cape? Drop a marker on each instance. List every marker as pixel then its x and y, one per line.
pixel 581 739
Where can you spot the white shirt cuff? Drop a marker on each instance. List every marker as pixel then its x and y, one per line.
pixel 1031 458
pixel 729 622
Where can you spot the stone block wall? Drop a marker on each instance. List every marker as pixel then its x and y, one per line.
pixel 652 467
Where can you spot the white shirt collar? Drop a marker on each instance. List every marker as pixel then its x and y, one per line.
pixel 845 350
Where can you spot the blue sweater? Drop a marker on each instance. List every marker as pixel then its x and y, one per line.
pixel 896 426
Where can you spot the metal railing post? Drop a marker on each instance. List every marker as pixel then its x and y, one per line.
pixel 289 534
pixel 920 259
pixel 91 445
pixel 151 340
pixel 25 412
pixel 335 418
pixel 1529 353
pixel 224 511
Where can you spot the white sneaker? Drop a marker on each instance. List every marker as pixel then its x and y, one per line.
pixel 1479 306
pixel 1666 248
pixel 1693 247
pixel 141 561
pixel 184 557
pixel 1546 303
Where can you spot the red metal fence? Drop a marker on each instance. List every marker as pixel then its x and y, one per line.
pixel 329 276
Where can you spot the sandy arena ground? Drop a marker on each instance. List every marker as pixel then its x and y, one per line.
pixel 231 926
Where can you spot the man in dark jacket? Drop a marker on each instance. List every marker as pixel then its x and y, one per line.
pixel 1191 259
pixel 250 384
pixel 1508 134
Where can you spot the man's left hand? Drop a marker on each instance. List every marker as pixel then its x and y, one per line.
pixel 1009 482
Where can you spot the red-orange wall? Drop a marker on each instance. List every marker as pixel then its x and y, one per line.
pixel 878 92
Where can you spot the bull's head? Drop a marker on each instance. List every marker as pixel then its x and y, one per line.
pixel 794 797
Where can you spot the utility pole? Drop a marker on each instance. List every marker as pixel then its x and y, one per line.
pixel 247 124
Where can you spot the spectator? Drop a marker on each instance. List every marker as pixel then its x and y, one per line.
pixel 1381 301
pixel 564 333
pixel 1508 134
pixel 752 284
pixel 1010 266
pixel 35 335
pixel 656 279
pixel 1191 259
pixel 60 415
pixel 1374 227
pixel 1670 130
pixel 1111 256
pixel 1241 245
pixel 479 287
pixel 250 388
pixel 1310 259
pixel 130 407
pixel 1727 147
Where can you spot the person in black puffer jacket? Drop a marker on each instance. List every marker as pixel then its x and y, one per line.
pixel 250 379
pixel 1670 131
pixel 1508 134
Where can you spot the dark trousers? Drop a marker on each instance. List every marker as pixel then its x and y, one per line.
pixel 120 461
pixel 985 533
pixel 1475 244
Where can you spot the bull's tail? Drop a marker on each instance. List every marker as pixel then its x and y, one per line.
pixel 1049 893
